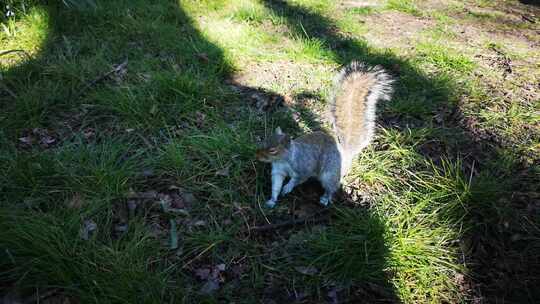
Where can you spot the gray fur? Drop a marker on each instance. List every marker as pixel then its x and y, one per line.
pixel 381 90
pixel 318 154
pixel 304 159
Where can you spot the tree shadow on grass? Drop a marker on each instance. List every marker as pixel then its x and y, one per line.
pixel 530 2
pixel 171 73
pixel 500 245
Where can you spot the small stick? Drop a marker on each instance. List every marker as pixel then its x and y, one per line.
pixel 15 51
pixel 116 69
pixel 526 18
pixel 294 222
pixel 200 254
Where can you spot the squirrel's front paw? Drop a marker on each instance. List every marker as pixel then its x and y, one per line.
pixel 270 203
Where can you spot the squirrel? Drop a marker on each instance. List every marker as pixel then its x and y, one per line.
pixel 328 157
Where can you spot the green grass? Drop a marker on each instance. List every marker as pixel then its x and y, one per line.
pixel 405 6
pixel 442 203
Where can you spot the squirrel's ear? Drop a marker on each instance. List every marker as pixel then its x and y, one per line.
pixel 278 131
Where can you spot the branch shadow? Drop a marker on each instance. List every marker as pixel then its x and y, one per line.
pixel 530 2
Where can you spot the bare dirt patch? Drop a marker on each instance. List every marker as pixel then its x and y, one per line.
pixel 285 77
pixel 501 38
pixel 395 29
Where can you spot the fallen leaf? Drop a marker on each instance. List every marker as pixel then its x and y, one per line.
pixel 37 135
pixel 167 206
pixel 89 133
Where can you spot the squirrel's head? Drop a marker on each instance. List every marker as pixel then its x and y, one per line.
pixel 274 147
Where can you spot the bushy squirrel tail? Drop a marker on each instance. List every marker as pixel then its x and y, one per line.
pixel 357 88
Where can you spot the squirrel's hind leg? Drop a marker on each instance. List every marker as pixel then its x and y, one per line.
pixel 330 182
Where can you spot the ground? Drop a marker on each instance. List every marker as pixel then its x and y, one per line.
pixel 128 132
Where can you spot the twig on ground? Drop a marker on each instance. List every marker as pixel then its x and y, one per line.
pixel 314 218
pixel 200 254
pixel 2 53
pixel 527 18
pixel 92 83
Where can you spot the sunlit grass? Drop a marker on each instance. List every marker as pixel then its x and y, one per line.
pixel 28 33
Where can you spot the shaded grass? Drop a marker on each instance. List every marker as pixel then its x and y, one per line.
pixel 94 271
